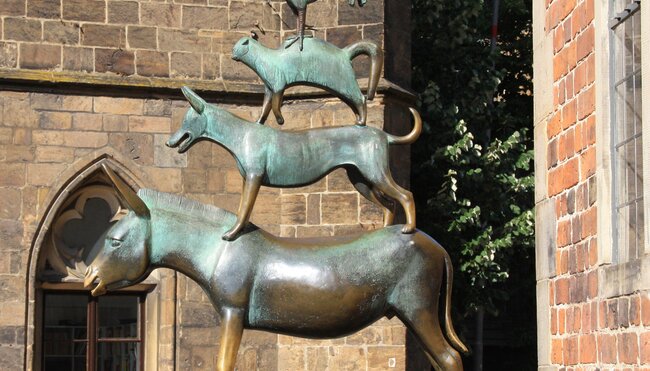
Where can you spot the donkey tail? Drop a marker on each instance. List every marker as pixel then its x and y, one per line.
pixel 449 327
pixel 413 135
pixel 376 55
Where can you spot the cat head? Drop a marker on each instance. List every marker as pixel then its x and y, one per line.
pixel 242 46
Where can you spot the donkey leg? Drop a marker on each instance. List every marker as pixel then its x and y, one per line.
pixel 252 185
pixel 232 327
pixel 426 327
pixel 266 106
pixel 276 104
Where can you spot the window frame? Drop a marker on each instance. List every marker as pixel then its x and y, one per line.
pixel 140 290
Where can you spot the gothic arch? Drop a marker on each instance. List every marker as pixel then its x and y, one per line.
pixel 84 179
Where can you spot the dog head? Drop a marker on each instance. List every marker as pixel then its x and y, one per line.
pixel 194 123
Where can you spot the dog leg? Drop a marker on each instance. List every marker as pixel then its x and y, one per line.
pixel 372 194
pixel 252 185
pixel 276 103
pixel 232 327
pixel 266 106
pixel 405 198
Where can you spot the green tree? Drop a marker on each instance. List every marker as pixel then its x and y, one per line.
pixel 473 165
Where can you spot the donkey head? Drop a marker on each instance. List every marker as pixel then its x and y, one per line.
pixel 194 123
pixel 124 258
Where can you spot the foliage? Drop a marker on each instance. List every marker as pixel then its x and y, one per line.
pixel 473 165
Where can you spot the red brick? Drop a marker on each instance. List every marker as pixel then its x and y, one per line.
pixel 569 114
pixel 592 282
pixel 570 351
pixel 593 252
pixel 580 76
pixel 607 348
pixel 644 340
pixel 635 310
pixel 558 38
pixel 645 308
pixel 556 351
pixel 577 19
pixel 589 11
pixel 588 163
pixel 561 321
pixel 585 325
pixel 551 294
pixel 554 321
pixel 602 314
pixel 586 102
pixel 562 291
pixel 589 222
pixel 628 347
pixel 572 60
pixel 585 43
pixel 590 130
pixel 563 233
pixel 567 24
pixel 554 126
pixel 588 349
pixel 563 177
pixel 560 64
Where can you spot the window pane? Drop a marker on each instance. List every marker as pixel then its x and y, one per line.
pixel 120 356
pixel 118 316
pixel 64 320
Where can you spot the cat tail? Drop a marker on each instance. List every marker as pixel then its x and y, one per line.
pixel 413 135
pixel 376 55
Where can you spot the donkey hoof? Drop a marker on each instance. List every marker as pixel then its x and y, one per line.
pixel 408 229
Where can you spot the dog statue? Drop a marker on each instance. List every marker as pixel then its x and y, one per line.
pixel 322 65
pixel 315 288
pixel 274 158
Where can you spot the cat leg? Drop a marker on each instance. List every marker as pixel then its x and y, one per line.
pixel 266 106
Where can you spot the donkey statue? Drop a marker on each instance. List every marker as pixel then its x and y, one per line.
pixel 314 288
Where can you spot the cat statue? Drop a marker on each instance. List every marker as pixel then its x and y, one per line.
pixel 320 64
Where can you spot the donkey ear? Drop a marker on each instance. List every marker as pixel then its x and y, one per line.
pixel 195 101
pixel 132 200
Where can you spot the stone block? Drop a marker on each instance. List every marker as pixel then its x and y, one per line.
pixel 322 14
pixel 44 174
pixel 119 106
pixel 232 70
pixel 165 179
pixel 55 120
pixel 8 54
pixel 10 203
pixel 115 122
pixel 103 35
pixel 123 12
pixel 293 209
pixel 194 314
pixel 216 180
pixel 12 355
pixel 22 136
pixel 303 231
pixel 47 137
pixel 61 32
pixel 386 357
pixel 6 135
pixel 17 153
pixel 44 8
pixel 142 37
pixel 291 358
pixel 160 15
pixel 182 40
pixel 54 154
pixel 13 175
pixel 157 107
pixel 166 157
pixel 347 358
pixel 201 17
pixel 78 59
pixel 313 208
pixel 343 36
pixel 152 63
pixel 185 65
pixel 245 15
pixel 149 124
pixel 138 147
pixel 83 139
pixel 117 61
pixel 77 103
pixel 22 29
pixel 40 56
pixel 84 10
pixel 340 208
pixel 12 7
pixel 87 121
pixel 372 12
pixel 211 66
pixel 18 113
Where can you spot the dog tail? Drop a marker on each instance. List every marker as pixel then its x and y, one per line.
pixel 449 327
pixel 376 55
pixel 413 135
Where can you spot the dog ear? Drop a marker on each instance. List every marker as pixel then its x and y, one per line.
pixel 195 101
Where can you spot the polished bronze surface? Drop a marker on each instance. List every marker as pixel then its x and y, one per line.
pixel 315 288
pixel 275 158
pixel 322 65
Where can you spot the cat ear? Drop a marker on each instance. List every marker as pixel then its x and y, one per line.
pixel 254 35
pixel 195 101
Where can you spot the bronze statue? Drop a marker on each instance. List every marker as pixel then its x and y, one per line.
pixel 315 288
pixel 299 8
pixel 322 65
pixel 274 158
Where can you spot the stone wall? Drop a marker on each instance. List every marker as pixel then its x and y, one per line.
pixel 593 313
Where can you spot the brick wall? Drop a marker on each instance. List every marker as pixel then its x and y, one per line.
pixel 583 323
pixel 153 42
